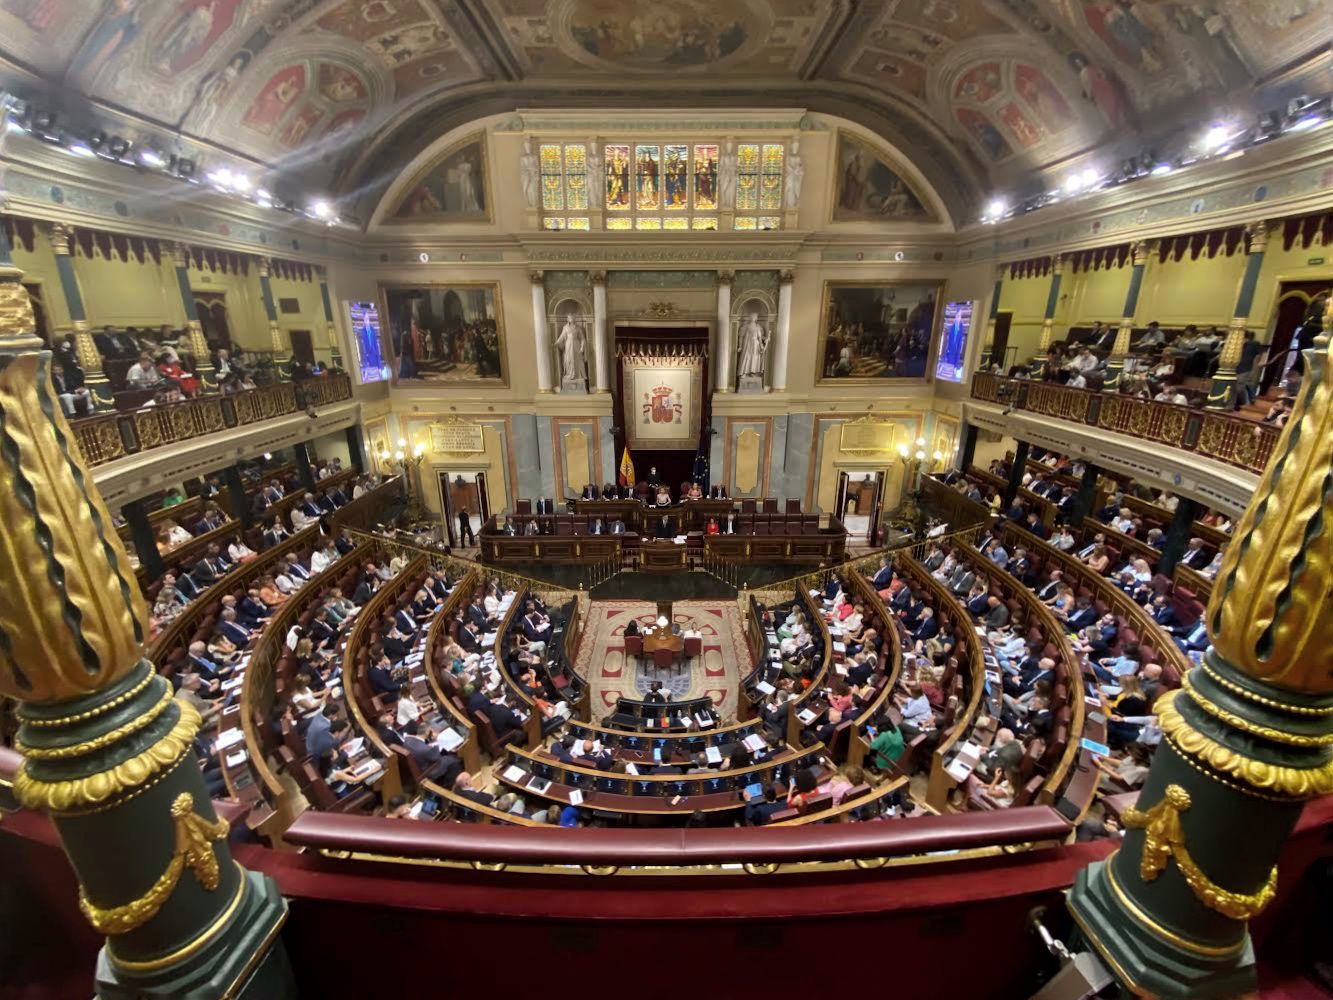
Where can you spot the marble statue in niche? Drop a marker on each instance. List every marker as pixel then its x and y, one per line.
pixel 570 346
pixel 752 340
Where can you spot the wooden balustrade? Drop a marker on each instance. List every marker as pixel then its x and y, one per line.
pixel 106 437
pixel 1223 436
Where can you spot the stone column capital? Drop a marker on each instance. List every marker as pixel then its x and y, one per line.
pixel 537 277
pixel 265 265
pixel 726 277
pixel 61 235
pixel 786 277
pixel 1057 264
pixel 180 255
pixel 1258 233
pixel 598 277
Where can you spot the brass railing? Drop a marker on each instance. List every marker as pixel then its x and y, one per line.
pixel 106 437
pixel 1223 436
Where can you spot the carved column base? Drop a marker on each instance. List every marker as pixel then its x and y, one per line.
pixel 203 360
pixel 1139 954
pixel 243 958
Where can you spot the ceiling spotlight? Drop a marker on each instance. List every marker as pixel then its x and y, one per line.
pixel 423 257
pixel 1215 138
pixel 151 158
pixel 1304 114
pixel 80 149
pixel 221 177
pixel 997 207
pixel 321 210
pixel 241 183
pixel 1160 169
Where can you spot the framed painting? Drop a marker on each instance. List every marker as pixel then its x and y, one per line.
pixel 662 399
pixel 867 187
pixel 449 333
pixel 452 189
pixel 875 330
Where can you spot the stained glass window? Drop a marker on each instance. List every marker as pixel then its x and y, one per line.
pixel 618 173
pixel 576 178
pixel 553 188
pixel 656 186
pixel 747 177
pixel 770 183
pixel 647 178
pixel 564 179
pixel 705 177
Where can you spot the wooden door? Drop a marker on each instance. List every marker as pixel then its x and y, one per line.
pixel 877 494
pixel 303 348
pixel 1000 344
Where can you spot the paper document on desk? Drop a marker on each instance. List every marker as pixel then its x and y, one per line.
pixel 575 797
pixel 763 687
pixel 236 759
pixel 488 639
pixel 754 743
pixel 449 741
pixel 806 716
pixel 514 773
pixel 354 746
pixel 960 769
pixel 631 769
pixel 230 738
pixel 713 755
pixel 704 720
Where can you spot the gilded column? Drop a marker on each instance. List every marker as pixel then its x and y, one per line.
pixel 107 748
pixel 1246 740
pixel 1222 395
pixel 1115 364
pixel 600 348
pixel 335 356
pixel 90 359
pixel 1048 321
pixel 18 325
pixel 203 361
pixel 280 351
pixel 782 332
pixel 726 348
pixel 541 336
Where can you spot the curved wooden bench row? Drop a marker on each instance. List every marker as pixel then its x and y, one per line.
pixel 1057 641
pixel 972 668
pixel 890 672
pixel 260 689
pixel 852 803
pixel 187 623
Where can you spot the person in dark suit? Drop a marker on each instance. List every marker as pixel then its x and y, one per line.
pixel 927 626
pixel 365 589
pixel 664 529
pixel 653 478
pixel 233 630
pixel 717 493
pixel 502 717
pixel 1162 612
pixel 405 623
pixel 435 587
pixel 759 810
pixel 467 638
pixel 433 762
pixel 617 527
pixel 1034 525
pixel 208 569
pixel 1195 640
pixel 1196 556
pixel 1084 614
pixel 978 605
pixel 187 587
pixel 465 528
pixel 381 676
pixel 609 492
pixel 589 492
pixel 253 610
pixel 596 528
pixel 387 729
pixel 463 786
pixel 883 576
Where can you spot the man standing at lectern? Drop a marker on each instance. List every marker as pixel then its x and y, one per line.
pixel 664 528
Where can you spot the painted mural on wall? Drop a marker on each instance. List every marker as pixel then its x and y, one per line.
pixel 648 35
pixel 876 330
pixel 868 186
pixel 454 189
pixel 445 333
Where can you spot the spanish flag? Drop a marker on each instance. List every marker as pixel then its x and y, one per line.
pixel 626 469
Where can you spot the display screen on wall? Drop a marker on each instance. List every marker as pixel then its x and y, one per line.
pixel 365 318
pixel 953 341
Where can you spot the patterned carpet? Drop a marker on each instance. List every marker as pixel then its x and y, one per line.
pixel 601 656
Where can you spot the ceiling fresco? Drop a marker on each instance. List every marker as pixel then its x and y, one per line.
pixel 973 91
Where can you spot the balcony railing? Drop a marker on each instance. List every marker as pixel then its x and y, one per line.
pixel 1222 436
pixel 107 437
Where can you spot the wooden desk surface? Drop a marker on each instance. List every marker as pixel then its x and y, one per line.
pixel 655 639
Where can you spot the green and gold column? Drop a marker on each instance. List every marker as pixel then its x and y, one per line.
pixel 1048 321
pixel 1247 739
pixel 280 352
pixel 335 356
pixel 108 751
pixel 90 359
pixel 18 325
pixel 1222 395
pixel 1115 364
pixel 203 360
pixel 994 312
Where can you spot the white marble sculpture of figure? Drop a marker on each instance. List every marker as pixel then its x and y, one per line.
pixel 795 173
pixel 726 176
pixel 753 340
pixel 467 189
pixel 570 345
pixel 528 171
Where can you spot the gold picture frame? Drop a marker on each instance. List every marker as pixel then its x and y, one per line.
pixel 824 363
pixel 390 319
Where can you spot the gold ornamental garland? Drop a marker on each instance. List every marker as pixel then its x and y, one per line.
pixel 1164 839
pixel 194 849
